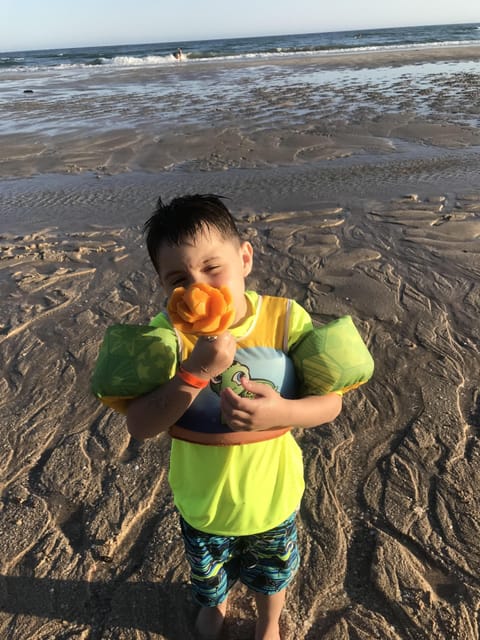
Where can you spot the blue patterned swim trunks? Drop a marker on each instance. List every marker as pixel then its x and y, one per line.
pixel 265 562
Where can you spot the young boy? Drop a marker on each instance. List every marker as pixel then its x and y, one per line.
pixel 235 470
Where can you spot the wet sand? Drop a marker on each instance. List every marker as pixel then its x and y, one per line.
pixel 385 228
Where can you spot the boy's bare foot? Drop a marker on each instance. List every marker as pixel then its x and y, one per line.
pixel 210 621
pixel 267 632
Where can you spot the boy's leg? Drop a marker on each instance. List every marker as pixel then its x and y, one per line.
pixel 269 609
pixel 269 563
pixel 210 621
pixel 214 569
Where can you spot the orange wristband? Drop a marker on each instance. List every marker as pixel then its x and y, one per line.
pixel 190 379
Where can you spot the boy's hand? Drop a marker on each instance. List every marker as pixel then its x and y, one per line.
pixel 210 358
pixel 267 410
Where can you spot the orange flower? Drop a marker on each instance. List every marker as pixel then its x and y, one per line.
pixel 201 309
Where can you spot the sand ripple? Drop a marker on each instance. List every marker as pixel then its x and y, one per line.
pixel 89 542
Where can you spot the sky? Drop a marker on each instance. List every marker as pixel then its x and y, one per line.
pixel 44 24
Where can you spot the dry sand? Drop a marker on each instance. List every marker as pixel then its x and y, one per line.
pixel 389 525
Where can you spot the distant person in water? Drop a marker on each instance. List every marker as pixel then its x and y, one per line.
pixel 178 55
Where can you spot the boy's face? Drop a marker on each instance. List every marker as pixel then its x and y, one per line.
pixel 208 258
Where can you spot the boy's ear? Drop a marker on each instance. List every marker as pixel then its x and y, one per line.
pixel 246 251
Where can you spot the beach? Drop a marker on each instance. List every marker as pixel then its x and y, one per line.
pixel 356 178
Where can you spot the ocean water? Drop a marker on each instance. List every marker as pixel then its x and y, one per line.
pixel 220 81
pixel 261 48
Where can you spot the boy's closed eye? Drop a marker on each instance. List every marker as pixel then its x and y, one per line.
pixel 176 282
pixel 183 281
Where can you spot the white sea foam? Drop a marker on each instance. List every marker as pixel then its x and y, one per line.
pixel 132 61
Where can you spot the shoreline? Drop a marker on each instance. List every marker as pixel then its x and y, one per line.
pixel 159 120
pixel 381 57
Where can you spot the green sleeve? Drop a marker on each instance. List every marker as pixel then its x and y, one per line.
pixel 161 321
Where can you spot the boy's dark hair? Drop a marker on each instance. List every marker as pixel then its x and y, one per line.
pixel 183 218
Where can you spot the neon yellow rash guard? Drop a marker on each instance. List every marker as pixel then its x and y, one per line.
pixel 243 489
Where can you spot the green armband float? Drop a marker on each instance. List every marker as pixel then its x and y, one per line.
pixel 332 358
pixel 132 361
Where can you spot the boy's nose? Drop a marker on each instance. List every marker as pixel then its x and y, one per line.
pixel 195 279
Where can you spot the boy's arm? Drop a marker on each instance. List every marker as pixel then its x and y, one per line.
pixel 157 411
pixel 268 410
